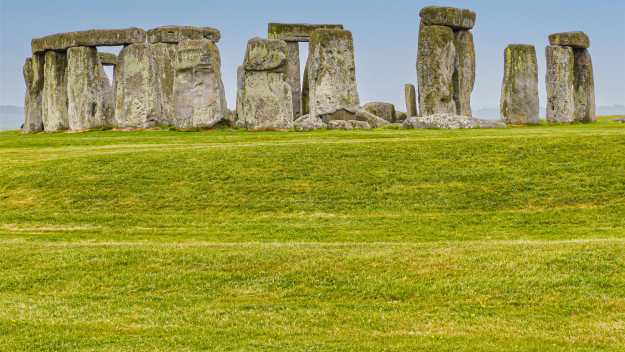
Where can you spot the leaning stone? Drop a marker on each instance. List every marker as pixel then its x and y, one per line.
pixel 573 39
pixel 450 121
pixel 137 95
pixel 33 77
pixel 88 90
pixel 177 34
pixel 519 92
pixel 296 32
pixel 331 71
pixel 464 75
pixel 309 123
pixel 448 16
pixel 383 110
pixel 411 100
pixel 164 57
pixel 107 59
pixel 93 38
pixel 435 70
pixel 54 99
pixel 560 84
pixel 584 86
pixel 199 98
pixel 293 77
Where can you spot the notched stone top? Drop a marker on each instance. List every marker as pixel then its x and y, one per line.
pixel 572 39
pixel 94 37
pixel 176 34
pixel 296 32
pixel 107 59
pixel 448 16
pixel 265 55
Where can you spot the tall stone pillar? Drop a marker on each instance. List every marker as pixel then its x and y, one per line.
pixel 293 76
pixel 165 58
pixel 33 77
pixel 519 92
pixel 55 117
pixel 411 100
pixel 584 86
pixel 560 84
pixel 464 71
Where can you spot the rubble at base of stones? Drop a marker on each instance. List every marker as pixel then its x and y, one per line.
pixel 354 117
pixel 450 121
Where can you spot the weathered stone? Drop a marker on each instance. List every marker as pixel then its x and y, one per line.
pixel 411 100
pixel 137 94
pixel 373 120
pixel 164 57
pixel 584 86
pixel 383 110
pixel 435 70
pixel 464 74
pixel 331 71
pixel 95 37
pixel 448 16
pixel 33 77
pixel 450 121
pixel 177 34
pixel 309 123
pixel 296 32
pixel 54 99
pixel 107 59
pixel 519 92
pixel 560 84
pixel 293 77
pixel 89 95
pixel 266 55
pixel 348 125
pixel 199 97
pixel 400 116
pixel 353 113
pixel 240 87
pixel 573 39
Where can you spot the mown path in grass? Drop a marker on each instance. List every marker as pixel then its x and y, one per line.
pixel 481 240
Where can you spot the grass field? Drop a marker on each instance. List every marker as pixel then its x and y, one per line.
pixel 383 240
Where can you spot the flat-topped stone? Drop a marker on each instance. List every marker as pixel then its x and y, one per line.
pixel 107 59
pixel 265 55
pixel 94 37
pixel 448 16
pixel 573 39
pixel 297 32
pixel 176 34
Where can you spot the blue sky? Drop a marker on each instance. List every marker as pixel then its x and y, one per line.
pixel 385 34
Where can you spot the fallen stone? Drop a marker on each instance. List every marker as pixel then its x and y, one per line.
pixel 622 120
pixel 560 84
pixel 164 59
pixel 266 55
pixel 33 77
pixel 137 94
pixel 400 116
pixel 309 123
pixel 519 92
pixel 89 95
pixel 107 59
pixel 573 39
pixel 449 121
pixel 331 72
pixel 411 100
pixel 199 97
pixel 464 75
pixel 435 70
pixel 91 38
pixel 383 110
pixel 448 16
pixel 54 98
pixel 348 125
pixel 177 34
pixel 373 120
pixel 296 32
pixel 584 86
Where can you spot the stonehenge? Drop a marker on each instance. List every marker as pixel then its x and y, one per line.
pixel 570 79
pixel 519 93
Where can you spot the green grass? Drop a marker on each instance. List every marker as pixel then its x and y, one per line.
pixel 383 240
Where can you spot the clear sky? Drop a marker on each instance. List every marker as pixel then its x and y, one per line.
pixel 385 35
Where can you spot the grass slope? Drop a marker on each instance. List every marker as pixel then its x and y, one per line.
pixel 384 240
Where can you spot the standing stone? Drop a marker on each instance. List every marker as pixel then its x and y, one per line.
pixel 435 70
pixel 560 84
pixel 411 100
pixel 519 92
pixel 293 77
pixel 584 86
pixel 199 97
pixel 89 95
pixel 331 71
pixel 165 56
pixel 383 110
pixel 266 100
pixel 137 94
pixel 464 75
pixel 240 86
pixel 33 77
pixel 54 100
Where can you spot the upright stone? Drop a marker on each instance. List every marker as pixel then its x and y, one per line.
pixel 435 70
pixel 199 97
pixel 464 74
pixel 560 84
pixel 411 100
pixel 88 90
pixel 519 92
pixel 165 57
pixel 331 72
pixel 33 77
pixel 584 86
pixel 293 77
pixel 137 94
pixel 54 98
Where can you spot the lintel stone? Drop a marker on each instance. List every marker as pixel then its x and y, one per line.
pixel 577 40
pixel 90 38
pixel 448 16
pixel 296 32
pixel 177 34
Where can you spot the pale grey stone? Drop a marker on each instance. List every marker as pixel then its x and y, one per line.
pixel 450 121
pixel 381 109
pixel 164 58
pixel 400 116
pixel 177 34
pixel 584 86
pixel 348 125
pixel 464 75
pixel 448 16
pixel 54 99
pixel 90 38
pixel 435 70
pixel 519 92
pixel 411 100
pixel 266 55
pixel 560 84
pixel 293 77
pixel 33 77
pixel 296 32
pixel 309 123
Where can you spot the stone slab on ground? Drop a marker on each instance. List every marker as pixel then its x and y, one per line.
pixel 450 121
